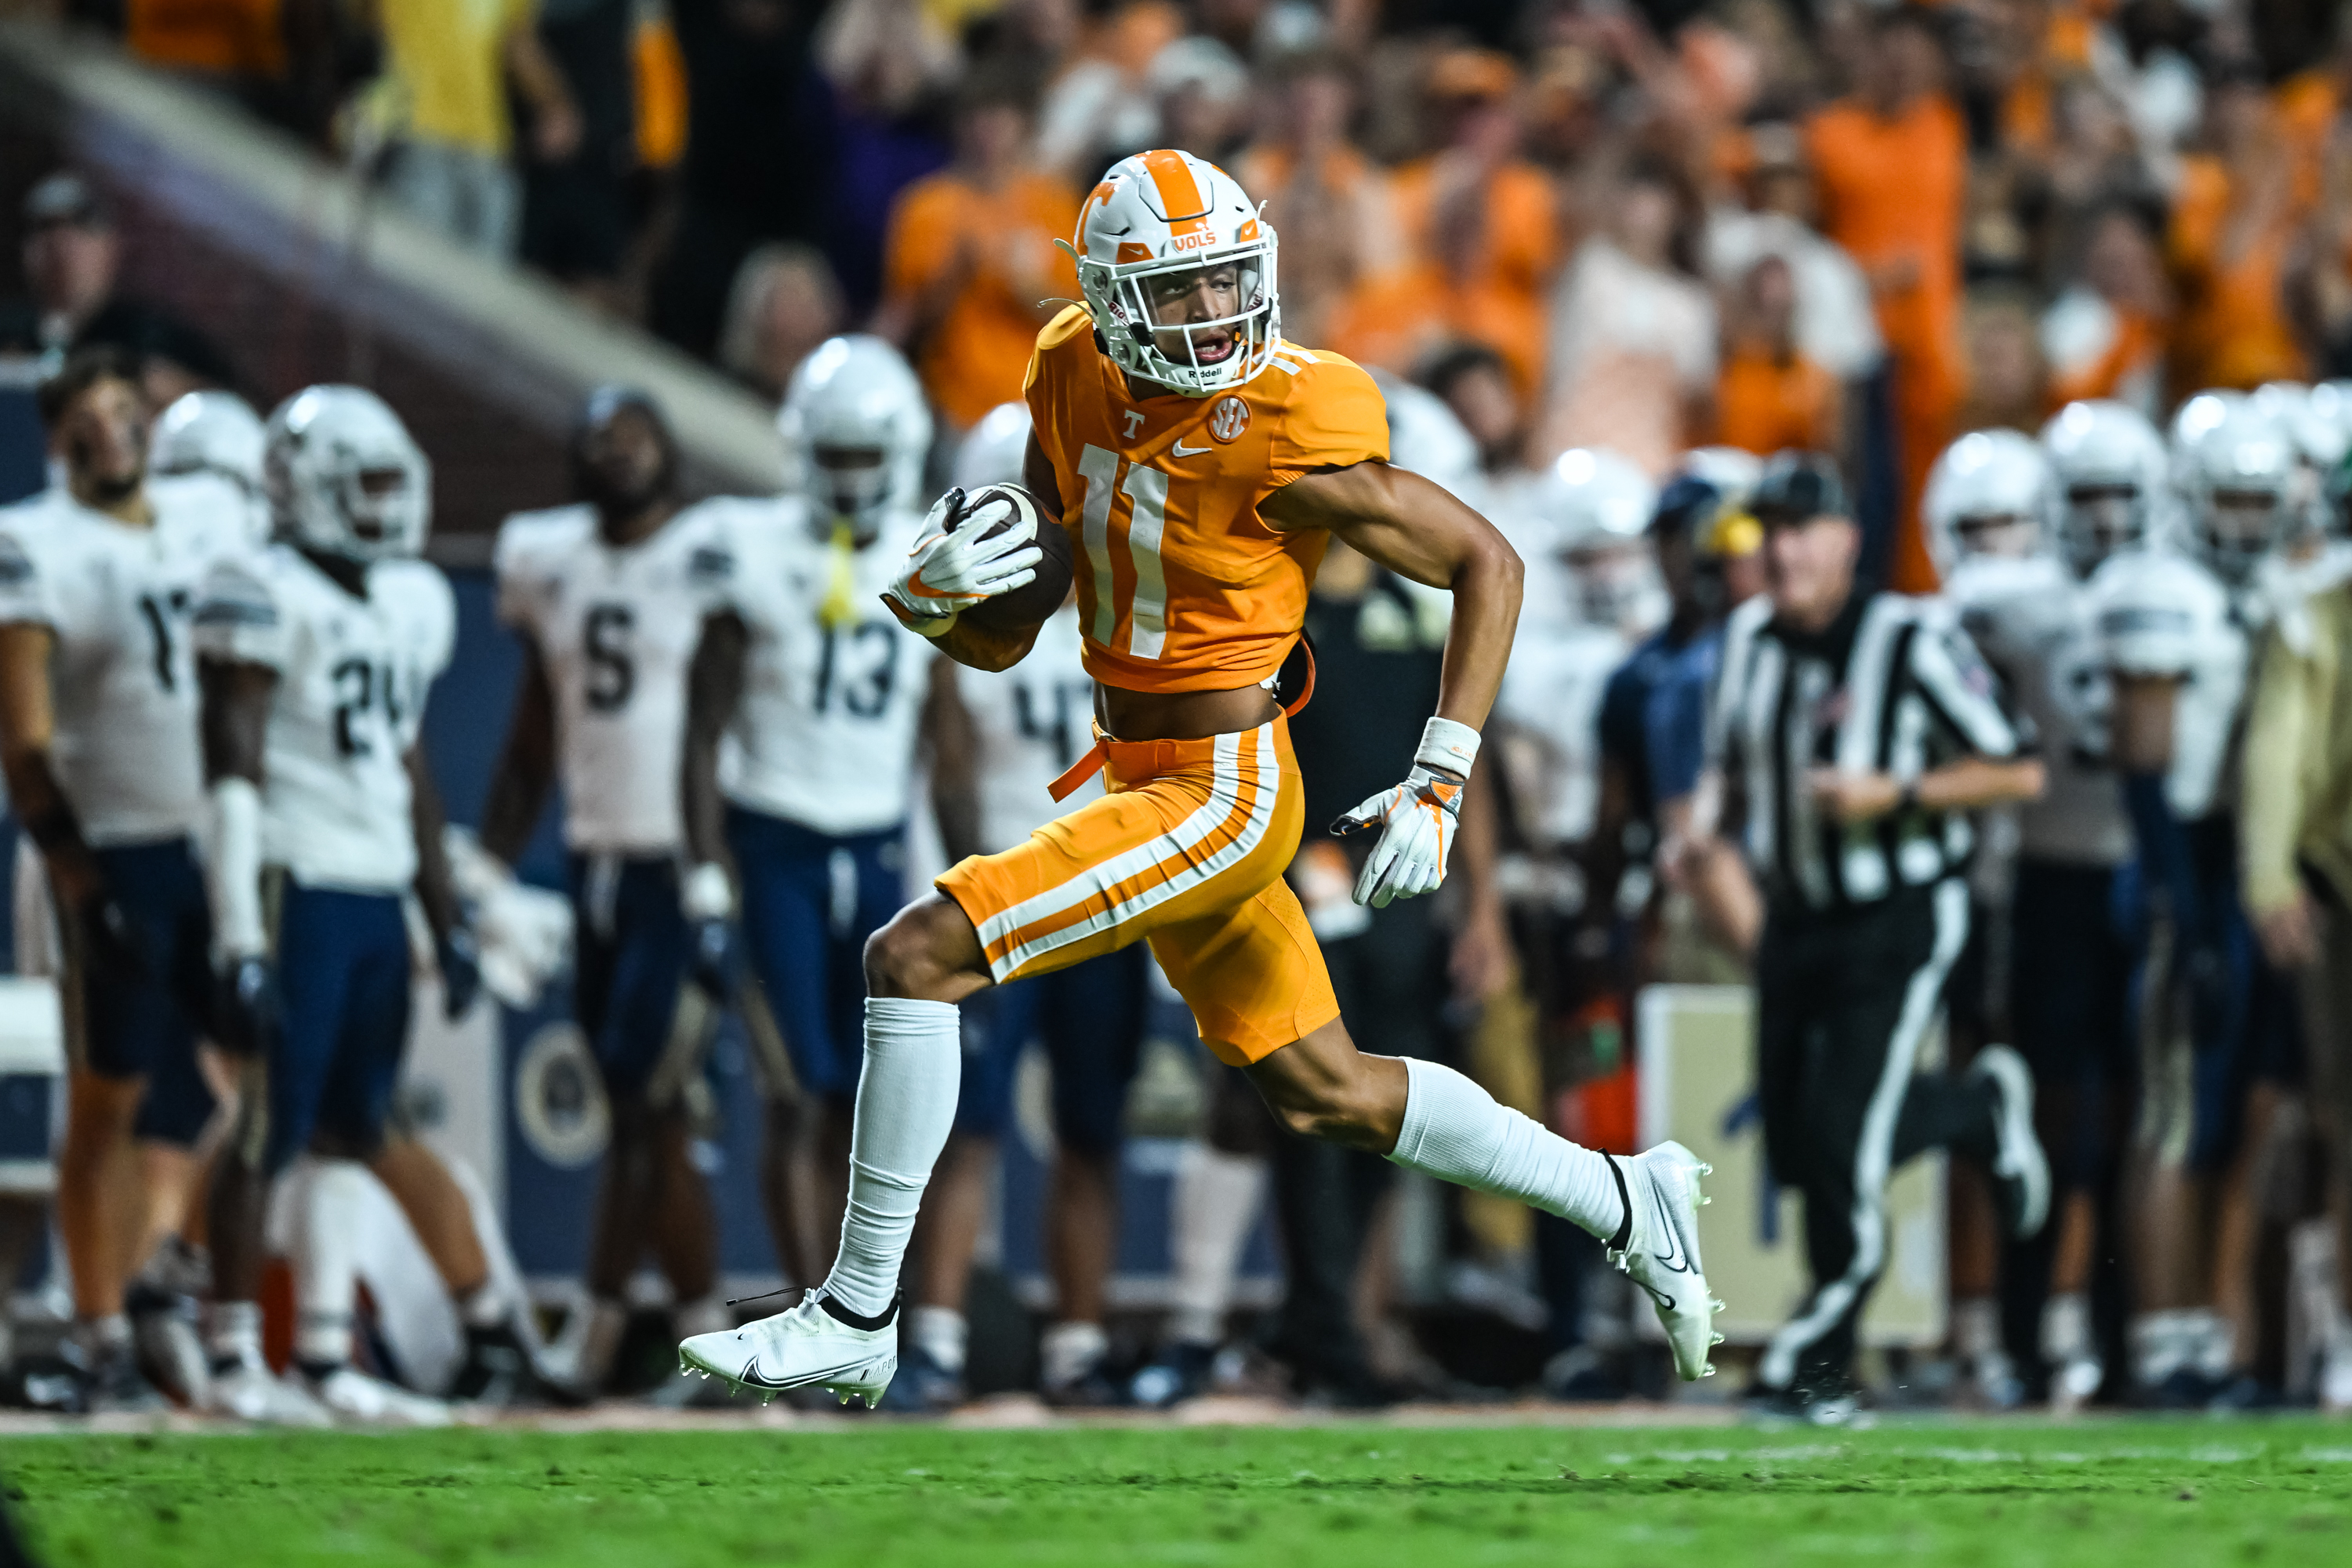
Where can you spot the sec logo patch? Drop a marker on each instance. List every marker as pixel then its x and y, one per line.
pixel 1228 419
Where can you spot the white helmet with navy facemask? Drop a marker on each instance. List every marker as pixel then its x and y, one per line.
pixel 1990 493
pixel 1159 226
pixel 2111 471
pixel 1595 507
pixel 855 431
pixel 2245 486
pixel 209 433
pixel 344 477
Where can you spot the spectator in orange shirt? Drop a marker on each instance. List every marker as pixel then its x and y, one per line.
pixel 1479 232
pixel 1892 164
pixel 1768 396
pixel 1324 197
pixel 970 269
pixel 2234 228
pixel 2105 334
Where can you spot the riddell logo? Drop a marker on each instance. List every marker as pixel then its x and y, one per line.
pixel 1195 241
pixel 1228 419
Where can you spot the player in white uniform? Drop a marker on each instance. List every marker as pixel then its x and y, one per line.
pixel 1994 527
pixel 2176 625
pixel 610 597
pixel 98 735
pixel 998 743
pixel 802 712
pixel 315 657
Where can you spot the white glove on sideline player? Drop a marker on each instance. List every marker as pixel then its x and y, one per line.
pixel 1417 818
pixel 958 562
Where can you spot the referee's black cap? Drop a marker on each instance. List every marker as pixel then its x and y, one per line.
pixel 1798 487
pixel 1685 503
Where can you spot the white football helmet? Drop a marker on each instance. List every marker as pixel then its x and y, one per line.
pixel 344 477
pixel 209 433
pixel 994 450
pixel 1146 233
pixel 1595 506
pixel 1426 438
pixel 2246 489
pixel 855 431
pixel 1989 494
pixel 2111 475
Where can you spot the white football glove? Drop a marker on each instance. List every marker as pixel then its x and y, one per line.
pixel 1417 820
pixel 957 563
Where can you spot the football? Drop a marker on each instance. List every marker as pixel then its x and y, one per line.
pixel 1032 604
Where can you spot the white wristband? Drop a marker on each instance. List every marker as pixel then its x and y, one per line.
pixel 706 894
pixel 236 880
pixel 1448 745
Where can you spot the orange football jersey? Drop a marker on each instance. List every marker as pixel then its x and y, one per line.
pixel 1182 587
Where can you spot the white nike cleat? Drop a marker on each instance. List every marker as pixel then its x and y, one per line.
pixel 251 1392
pixel 803 1345
pixel 2020 1168
pixel 1661 1251
pixel 353 1395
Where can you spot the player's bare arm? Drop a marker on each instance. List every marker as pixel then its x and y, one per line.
pixel 1419 529
pixel 526 768
pixel 952 748
pixel 27 733
pixel 714 689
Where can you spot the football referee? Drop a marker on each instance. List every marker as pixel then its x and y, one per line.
pixel 1850 735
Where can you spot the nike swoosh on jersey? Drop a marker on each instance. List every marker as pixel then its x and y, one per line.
pixel 1181 450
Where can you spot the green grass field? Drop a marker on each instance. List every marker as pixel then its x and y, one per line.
pixel 2133 1492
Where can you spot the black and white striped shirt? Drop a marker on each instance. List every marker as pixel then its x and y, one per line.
pixel 1893 686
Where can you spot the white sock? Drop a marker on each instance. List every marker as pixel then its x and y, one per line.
pixel 1216 1206
pixel 905 1106
pixel 1976 1327
pixel 1067 1352
pixel 327 1261
pixel 1454 1131
pixel 485 1306
pixel 2066 1327
pixel 942 1334
pixel 110 1333
pixel 233 1333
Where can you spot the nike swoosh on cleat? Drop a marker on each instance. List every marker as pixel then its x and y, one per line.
pixel 750 1377
pixel 1671 1259
pixel 1181 450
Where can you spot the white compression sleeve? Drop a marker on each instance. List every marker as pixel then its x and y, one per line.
pixel 1454 1131
pixel 234 871
pixel 905 1106
pixel 1215 1208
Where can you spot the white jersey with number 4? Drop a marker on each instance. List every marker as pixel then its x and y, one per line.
pixel 1029 724
pixel 2163 616
pixel 2033 623
pixel 616 629
pixel 353 675
pixel 117 599
pixel 825 736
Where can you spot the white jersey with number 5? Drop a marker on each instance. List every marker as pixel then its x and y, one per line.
pixel 117 599
pixel 1029 724
pixel 616 630
pixel 2034 625
pixel 825 736
pixel 2163 616
pixel 353 675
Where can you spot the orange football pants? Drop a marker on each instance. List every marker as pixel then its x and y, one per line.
pixel 1185 849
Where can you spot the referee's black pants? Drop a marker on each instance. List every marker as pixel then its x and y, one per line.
pixel 1844 999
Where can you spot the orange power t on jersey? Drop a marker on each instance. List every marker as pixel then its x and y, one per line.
pixel 1182 587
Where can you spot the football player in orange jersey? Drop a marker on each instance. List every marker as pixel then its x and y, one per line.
pixel 1199 463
